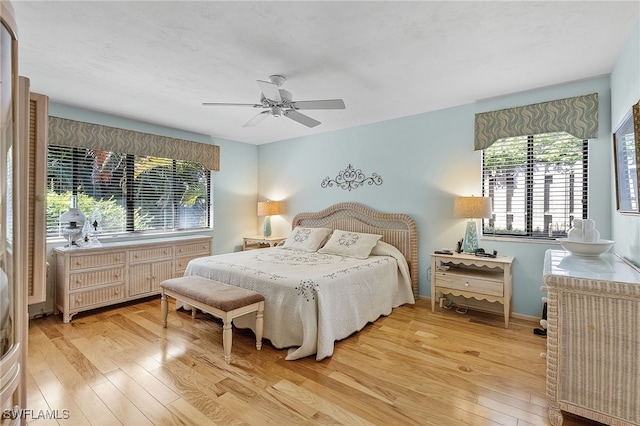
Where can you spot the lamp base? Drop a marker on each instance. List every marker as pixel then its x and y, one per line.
pixel 266 230
pixel 471 237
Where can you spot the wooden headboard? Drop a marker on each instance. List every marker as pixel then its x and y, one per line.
pixel 397 229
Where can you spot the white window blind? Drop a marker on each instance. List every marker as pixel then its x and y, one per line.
pixel 126 192
pixel 537 183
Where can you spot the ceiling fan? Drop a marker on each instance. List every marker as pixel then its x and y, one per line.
pixel 279 102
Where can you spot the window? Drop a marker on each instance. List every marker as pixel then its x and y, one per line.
pixel 126 192
pixel 626 140
pixel 538 185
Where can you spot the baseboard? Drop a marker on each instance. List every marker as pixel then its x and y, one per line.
pixel 479 308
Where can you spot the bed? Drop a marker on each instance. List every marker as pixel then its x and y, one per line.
pixel 314 298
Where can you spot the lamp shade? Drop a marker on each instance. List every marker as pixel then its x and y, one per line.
pixel 73 215
pixel 269 208
pixel 472 207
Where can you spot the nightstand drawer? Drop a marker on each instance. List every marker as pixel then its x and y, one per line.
pixel 468 283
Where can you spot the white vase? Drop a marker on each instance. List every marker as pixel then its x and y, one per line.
pixel 576 233
pixel 589 232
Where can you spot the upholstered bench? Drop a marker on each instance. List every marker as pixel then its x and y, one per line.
pixel 219 299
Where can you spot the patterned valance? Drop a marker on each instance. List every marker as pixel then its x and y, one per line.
pixel 79 134
pixel 577 116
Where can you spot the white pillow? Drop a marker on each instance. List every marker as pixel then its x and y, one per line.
pixel 351 244
pixel 306 239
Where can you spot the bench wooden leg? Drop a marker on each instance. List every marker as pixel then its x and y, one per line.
pixel 227 337
pixel 164 306
pixel 259 325
pixel 227 317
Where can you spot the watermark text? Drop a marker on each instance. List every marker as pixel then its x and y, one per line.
pixel 31 414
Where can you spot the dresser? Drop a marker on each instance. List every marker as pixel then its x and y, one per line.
pixel 471 276
pixel 593 338
pixel 93 277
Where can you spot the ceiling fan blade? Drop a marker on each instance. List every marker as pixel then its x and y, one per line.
pixel 256 119
pixel 270 90
pixel 301 118
pixel 229 104
pixel 323 104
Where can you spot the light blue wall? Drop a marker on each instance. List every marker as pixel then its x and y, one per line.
pixel 625 91
pixel 426 161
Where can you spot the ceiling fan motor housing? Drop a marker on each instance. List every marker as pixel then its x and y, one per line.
pixel 277 79
pixel 285 100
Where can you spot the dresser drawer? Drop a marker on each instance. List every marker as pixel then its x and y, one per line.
pixel 98 296
pixel 95 278
pixel 182 262
pixel 202 249
pixel 85 261
pixel 469 283
pixel 156 253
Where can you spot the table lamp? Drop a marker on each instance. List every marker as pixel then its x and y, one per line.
pixel 75 220
pixel 472 208
pixel 268 209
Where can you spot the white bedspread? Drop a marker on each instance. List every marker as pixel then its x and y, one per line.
pixel 312 299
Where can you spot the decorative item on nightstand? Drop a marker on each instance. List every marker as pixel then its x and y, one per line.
pixel 472 208
pixel 268 209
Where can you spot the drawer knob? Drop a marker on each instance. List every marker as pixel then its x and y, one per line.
pixel 466 284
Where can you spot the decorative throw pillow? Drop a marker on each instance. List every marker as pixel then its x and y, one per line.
pixel 307 239
pixel 351 244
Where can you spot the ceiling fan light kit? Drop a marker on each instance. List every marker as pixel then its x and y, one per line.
pixel 279 102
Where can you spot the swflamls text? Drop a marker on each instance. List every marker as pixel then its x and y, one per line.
pixel 31 414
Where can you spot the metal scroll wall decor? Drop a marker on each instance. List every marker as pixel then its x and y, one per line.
pixel 351 178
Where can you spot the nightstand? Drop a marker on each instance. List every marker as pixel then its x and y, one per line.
pixel 471 276
pixel 260 241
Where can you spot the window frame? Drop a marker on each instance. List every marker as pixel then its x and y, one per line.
pixel 529 199
pixel 129 205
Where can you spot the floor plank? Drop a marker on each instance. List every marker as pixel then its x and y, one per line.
pixel 118 365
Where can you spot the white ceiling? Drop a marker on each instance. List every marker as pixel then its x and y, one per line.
pixel 157 61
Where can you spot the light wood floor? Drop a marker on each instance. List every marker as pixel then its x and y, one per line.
pixel 119 366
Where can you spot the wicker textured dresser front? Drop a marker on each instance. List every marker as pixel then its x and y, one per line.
pixel 593 338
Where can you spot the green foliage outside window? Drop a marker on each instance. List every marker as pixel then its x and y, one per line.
pixel 113 215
